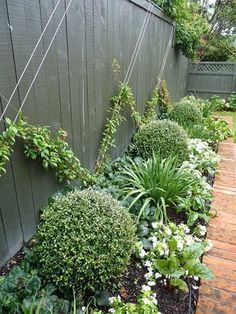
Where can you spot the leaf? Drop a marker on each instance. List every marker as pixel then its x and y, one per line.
pixel 192 217
pixel 180 283
pixel 193 251
pixel 169 266
pixel 200 270
pixel 33 285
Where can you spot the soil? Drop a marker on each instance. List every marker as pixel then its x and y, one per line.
pixel 15 260
pixel 169 301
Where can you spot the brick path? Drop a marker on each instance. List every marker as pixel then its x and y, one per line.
pixel 218 296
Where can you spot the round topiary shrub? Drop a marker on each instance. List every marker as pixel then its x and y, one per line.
pixel 186 113
pixel 85 239
pixel 162 137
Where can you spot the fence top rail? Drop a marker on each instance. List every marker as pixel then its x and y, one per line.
pixel 213 67
pixel 213 62
pixel 156 10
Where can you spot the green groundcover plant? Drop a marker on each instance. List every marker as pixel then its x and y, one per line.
pixel 173 256
pixel 162 137
pixel 85 239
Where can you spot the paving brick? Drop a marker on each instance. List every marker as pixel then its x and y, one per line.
pixel 218 296
pixel 214 306
pixel 224 246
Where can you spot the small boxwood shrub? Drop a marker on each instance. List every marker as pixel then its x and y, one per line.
pixel 186 113
pixel 162 137
pixel 85 239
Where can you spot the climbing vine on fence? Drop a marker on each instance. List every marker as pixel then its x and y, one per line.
pixel 123 98
pixel 53 150
pixel 39 143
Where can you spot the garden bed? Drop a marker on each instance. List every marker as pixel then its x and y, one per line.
pixel 131 239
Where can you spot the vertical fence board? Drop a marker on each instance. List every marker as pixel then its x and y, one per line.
pixel 73 88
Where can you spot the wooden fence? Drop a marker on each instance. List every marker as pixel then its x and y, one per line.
pixel 74 88
pixel 212 78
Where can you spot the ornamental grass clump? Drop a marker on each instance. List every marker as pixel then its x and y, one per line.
pixel 186 113
pixel 163 138
pixel 84 241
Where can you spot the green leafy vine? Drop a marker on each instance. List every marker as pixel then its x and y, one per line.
pixel 120 101
pixel 39 143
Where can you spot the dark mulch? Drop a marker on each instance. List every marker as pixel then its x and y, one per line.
pixel 177 302
pixel 15 260
pixel 169 301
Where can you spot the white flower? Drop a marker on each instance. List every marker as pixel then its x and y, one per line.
pixel 209 246
pixel 146 288
pixel 154 300
pixel 146 301
pixel 83 308
pixel 189 240
pixel 151 283
pixel 202 230
pixel 111 310
pixel 142 253
pixel 148 275
pixel 195 287
pixel 180 245
pixel 154 240
pixel 111 299
pixel 196 278
pixel 148 264
pixel 157 275
pixel 155 225
pixel 119 298
pixel 168 231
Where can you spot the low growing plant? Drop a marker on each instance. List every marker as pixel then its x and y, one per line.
pixel 162 137
pixel 146 304
pixel 174 256
pixel 85 239
pixel 199 195
pixel 23 291
pixel 202 156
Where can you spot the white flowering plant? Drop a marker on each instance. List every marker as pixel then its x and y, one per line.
pixel 199 196
pixel 202 157
pixel 174 256
pixel 146 303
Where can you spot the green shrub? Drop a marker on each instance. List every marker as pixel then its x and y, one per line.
pixel 186 113
pixel 85 239
pixel 232 102
pixel 163 137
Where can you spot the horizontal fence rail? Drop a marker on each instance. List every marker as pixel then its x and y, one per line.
pixel 212 78
pixel 74 88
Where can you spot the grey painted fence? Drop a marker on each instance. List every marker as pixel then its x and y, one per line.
pixel 212 78
pixel 74 88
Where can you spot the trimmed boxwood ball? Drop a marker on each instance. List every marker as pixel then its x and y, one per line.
pixel 162 137
pixel 85 239
pixel 186 113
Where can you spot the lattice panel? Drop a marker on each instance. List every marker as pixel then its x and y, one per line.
pixel 212 67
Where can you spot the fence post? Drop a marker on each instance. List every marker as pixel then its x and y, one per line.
pixel 233 87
